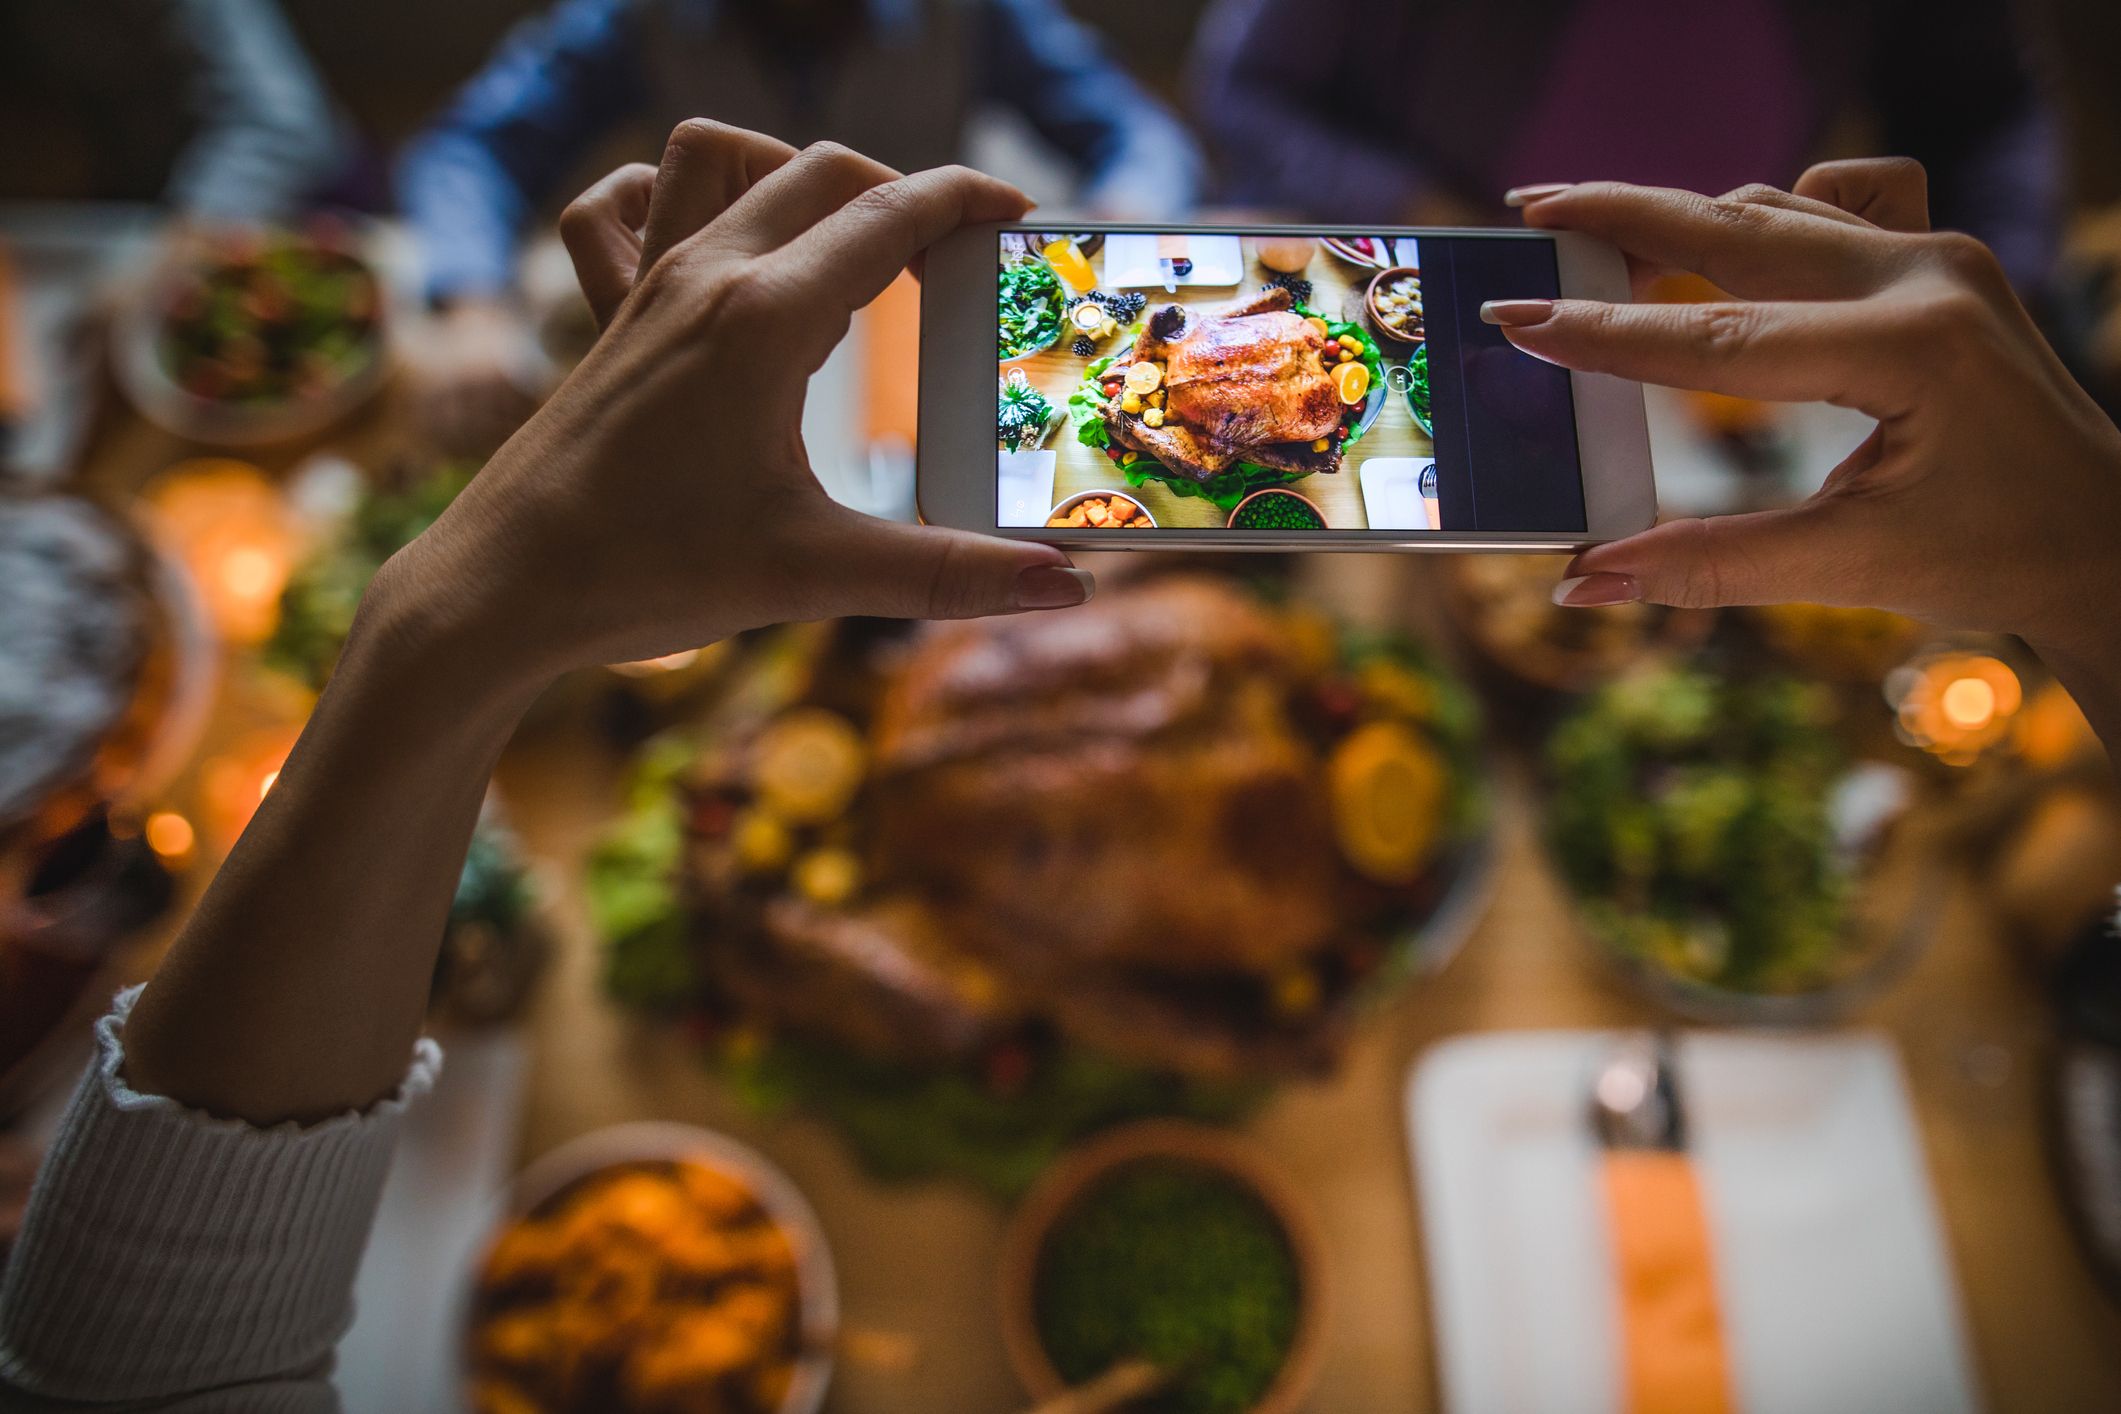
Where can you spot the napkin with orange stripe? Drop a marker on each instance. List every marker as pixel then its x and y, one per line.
pixel 1674 1358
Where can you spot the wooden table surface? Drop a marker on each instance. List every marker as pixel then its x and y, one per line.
pixel 917 1262
pixel 1337 293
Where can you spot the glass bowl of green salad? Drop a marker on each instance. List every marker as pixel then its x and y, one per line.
pixel 1031 308
pixel 1173 1248
pixel 1728 854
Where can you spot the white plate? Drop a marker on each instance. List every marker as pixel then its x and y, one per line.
pixel 1832 1277
pixel 1131 261
pixel 1025 482
pixel 1391 493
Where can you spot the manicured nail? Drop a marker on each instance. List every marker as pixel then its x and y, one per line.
pixel 1538 191
pixel 1591 591
pixel 1516 313
pixel 1054 587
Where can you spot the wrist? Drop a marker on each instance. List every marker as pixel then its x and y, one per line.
pixel 435 654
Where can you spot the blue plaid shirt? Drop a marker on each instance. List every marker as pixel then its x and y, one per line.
pixel 472 181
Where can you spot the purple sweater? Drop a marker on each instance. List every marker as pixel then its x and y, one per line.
pixel 1365 110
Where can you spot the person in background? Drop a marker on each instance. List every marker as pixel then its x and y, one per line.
pixel 1388 112
pixel 896 78
pixel 210 103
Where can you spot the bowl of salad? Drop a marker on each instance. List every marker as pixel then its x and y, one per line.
pixel 245 336
pixel 1031 308
pixel 1727 854
pixel 1417 389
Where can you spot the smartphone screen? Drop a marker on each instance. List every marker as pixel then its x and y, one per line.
pixel 1280 380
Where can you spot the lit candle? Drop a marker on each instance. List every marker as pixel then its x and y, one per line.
pixel 1955 705
pixel 234 531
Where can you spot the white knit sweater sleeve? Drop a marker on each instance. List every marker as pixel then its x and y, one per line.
pixel 171 1256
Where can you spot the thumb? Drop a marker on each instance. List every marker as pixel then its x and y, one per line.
pixel 1807 553
pixel 890 570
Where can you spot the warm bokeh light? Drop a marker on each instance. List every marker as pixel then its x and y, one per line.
pixel 170 835
pixel 1969 703
pixel 234 531
pixel 231 784
pixel 2052 730
pixel 1955 705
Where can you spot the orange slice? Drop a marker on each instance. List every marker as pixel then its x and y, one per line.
pixel 1388 801
pixel 1353 381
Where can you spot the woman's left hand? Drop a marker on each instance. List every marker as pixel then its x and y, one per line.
pixel 662 499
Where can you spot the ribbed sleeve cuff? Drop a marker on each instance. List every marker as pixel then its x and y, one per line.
pixel 166 1251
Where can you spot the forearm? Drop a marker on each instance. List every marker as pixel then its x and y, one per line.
pixel 299 985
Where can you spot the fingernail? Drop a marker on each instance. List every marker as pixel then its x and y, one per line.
pixel 1537 191
pixel 1592 591
pixel 1516 313
pixel 1053 587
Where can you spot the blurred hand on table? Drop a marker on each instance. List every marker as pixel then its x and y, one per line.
pixel 1989 497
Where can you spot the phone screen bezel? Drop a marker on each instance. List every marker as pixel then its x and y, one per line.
pixel 955 464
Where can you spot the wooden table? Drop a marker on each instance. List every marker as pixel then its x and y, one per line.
pixel 917 1262
pixel 1337 293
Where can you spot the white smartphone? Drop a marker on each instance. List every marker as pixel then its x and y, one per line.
pixel 1269 387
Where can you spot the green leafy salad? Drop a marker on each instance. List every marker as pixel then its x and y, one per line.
pixel 1418 389
pixel 1692 816
pixel 1225 489
pixel 1032 305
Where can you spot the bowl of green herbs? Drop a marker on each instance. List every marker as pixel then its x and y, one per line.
pixel 1173 1245
pixel 1727 852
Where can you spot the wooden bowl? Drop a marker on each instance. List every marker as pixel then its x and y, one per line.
pixel 1376 320
pixel 1191 1144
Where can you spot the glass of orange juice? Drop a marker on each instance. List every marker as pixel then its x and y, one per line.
pixel 1069 262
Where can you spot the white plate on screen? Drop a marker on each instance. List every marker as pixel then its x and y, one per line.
pixel 1025 486
pixel 1391 493
pixel 1832 1277
pixel 1133 261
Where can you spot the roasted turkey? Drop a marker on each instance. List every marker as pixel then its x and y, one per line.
pixel 1103 819
pixel 1118 787
pixel 1246 384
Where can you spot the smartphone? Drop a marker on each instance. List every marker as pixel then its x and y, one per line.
pixel 1268 387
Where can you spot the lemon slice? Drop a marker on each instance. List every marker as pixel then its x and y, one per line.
pixel 1353 381
pixel 1388 799
pixel 1143 378
pixel 808 765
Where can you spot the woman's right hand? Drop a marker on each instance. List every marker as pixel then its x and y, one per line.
pixel 1989 496
pixel 662 498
